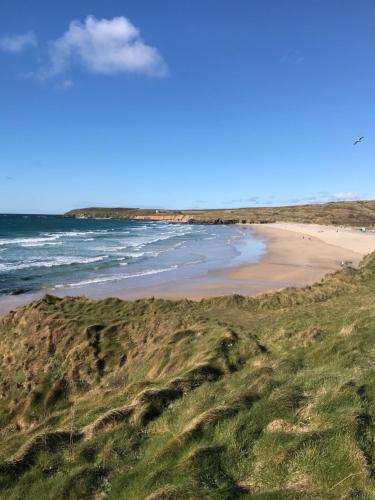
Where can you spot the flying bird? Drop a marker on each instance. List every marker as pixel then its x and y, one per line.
pixel 358 141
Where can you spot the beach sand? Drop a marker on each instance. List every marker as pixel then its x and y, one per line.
pixel 347 238
pixel 297 255
pixel 301 254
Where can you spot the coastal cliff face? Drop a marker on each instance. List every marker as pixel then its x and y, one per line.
pixel 165 218
pixel 267 397
pixel 355 213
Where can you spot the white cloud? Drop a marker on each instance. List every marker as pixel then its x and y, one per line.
pixel 292 56
pixel 326 198
pixel 322 197
pixel 64 85
pixel 106 46
pixel 17 43
pixel 254 200
pixel 345 196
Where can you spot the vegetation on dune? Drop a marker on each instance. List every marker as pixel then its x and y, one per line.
pixel 269 397
pixel 345 213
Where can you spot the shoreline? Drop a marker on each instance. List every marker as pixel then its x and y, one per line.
pixel 293 258
pixel 296 255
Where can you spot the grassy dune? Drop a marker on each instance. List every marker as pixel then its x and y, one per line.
pixel 346 213
pixel 265 398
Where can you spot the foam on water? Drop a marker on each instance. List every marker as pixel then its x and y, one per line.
pixel 117 277
pixel 43 252
pixel 56 261
pixel 29 241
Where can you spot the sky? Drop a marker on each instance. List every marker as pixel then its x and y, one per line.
pixel 194 104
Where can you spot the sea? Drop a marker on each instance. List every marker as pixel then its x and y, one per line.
pixel 52 253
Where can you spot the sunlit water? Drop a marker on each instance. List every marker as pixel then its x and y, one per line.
pixel 49 252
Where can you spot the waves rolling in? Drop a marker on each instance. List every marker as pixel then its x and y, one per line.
pixel 50 252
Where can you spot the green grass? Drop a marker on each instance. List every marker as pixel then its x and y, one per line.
pixel 346 213
pixel 265 398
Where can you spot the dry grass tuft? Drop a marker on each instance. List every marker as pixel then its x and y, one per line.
pixel 44 442
pixel 206 420
pixel 280 425
pixel 269 396
pixel 166 493
pixel 348 330
pixel 109 418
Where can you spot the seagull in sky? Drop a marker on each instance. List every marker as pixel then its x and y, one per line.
pixel 358 141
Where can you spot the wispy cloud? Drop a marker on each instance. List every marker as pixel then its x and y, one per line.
pixel 105 46
pixel 18 43
pixel 254 200
pixel 64 85
pixel 292 56
pixel 321 197
pixel 325 198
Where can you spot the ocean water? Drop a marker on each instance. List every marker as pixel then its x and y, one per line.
pixel 46 252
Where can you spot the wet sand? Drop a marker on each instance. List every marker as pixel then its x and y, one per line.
pixel 303 255
pixel 297 255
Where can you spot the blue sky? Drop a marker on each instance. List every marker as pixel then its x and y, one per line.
pixel 205 103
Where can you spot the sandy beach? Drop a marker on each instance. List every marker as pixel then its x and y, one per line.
pixel 296 255
pixel 301 254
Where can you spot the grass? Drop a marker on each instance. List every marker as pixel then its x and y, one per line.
pixel 266 398
pixel 345 213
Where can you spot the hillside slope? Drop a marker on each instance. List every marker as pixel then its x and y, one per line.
pixel 346 213
pixel 266 398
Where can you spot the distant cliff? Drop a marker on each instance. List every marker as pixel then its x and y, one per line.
pixel 345 213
